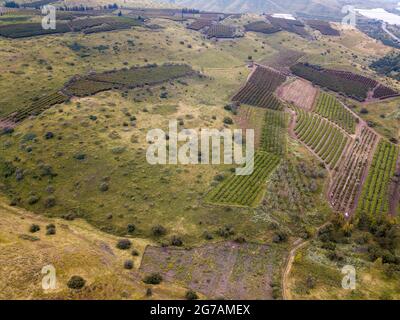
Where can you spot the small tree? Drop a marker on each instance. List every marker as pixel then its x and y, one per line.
pixel 76 282
pixel 191 295
pixel 124 244
pixel 154 278
pixel 128 264
pixel 131 228
pixel 158 230
pixel 34 228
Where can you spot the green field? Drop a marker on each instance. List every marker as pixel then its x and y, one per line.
pixel 246 190
pixel 329 107
pixel 322 137
pixel 375 196
pixel 273 136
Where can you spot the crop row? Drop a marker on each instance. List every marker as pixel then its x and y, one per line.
pixel 267 79
pixel 382 92
pixel 337 82
pixel 22 30
pixel 246 190
pixel 324 27
pixel 330 108
pixel 256 96
pixel 134 77
pixel 273 136
pixel 262 27
pixel 200 24
pixel 347 181
pixel 259 89
pixel 326 140
pixel 87 25
pixel 374 198
pixel 221 31
pixel 36 107
pixel 289 25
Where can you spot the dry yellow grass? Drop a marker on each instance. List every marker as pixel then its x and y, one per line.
pixel 75 249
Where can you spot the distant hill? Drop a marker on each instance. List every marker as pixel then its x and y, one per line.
pixel 306 8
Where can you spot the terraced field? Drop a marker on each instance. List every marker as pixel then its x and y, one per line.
pixel 374 200
pixel 348 179
pixel 246 190
pixel 299 92
pixel 329 107
pixel 273 136
pixel 262 27
pixel 86 25
pixel 259 89
pixel 200 24
pixel 131 78
pixel 321 136
pixel 35 108
pixel 353 85
pixel 221 31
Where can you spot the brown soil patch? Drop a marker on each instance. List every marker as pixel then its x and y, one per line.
pixel 299 92
pixel 221 270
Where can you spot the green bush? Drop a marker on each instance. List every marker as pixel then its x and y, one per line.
pixel 128 264
pixel 154 278
pixel 124 244
pixel 191 295
pixel 34 228
pixel 158 231
pixel 176 241
pixel 131 228
pixel 76 282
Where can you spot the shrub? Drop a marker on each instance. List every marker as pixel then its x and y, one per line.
pixel 124 244
pixel 50 202
pixel 335 256
pixel 154 278
pixel 135 253
pixel 207 235
pixel 158 231
pixel 280 236
pixel 364 111
pixel 128 264
pixel 80 156
pixel 29 137
pixel 228 120
pixel 33 200
pixel 176 241
pixel 240 239
pixel 191 295
pixel 225 232
pixel 34 228
pixel 51 230
pixel 164 95
pixel 76 282
pixel 310 282
pixel 49 135
pixel 104 187
pixel 69 216
pixel 131 228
